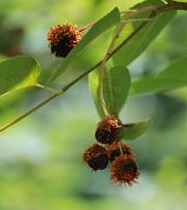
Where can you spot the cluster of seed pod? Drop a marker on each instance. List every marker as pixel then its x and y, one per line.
pixel 110 150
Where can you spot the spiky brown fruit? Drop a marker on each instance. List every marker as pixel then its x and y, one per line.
pixel 96 157
pixel 63 38
pixel 124 170
pixel 107 131
pixel 115 150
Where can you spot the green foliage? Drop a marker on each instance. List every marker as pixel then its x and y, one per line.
pixel 170 78
pixel 116 84
pixel 131 131
pixel 111 19
pixel 17 73
pixel 144 38
pixel 41 166
pixel 110 90
pixel 134 38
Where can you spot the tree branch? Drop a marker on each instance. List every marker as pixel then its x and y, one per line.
pixel 172 5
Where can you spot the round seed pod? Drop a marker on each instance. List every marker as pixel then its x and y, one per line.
pixel 108 129
pixel 63 38
pixel 96 157
pixel 124 170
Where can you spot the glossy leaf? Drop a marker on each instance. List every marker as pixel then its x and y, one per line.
pixel 96 30
pixel 116 84
pixel 174 76
pixel 134 130
pixel 144 37
pixel 18 72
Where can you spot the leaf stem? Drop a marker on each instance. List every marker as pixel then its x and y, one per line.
pixel 137 20
pixel 120 148
pixel 50 89
pixel 87 26
pixel 102 66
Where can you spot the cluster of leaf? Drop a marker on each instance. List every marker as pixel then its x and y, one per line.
pixel 23 71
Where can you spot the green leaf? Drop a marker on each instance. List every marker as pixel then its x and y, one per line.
pixel 174 76
pixel 98 28
pixel 18 72
pixel 116 84
pixel 134 130
pixel 144 37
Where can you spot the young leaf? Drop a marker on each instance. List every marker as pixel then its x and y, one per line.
pixel 134 130
pixel 96 30
pixel 144 37
pixel 18 72
pixel 116 84
pixel 174 76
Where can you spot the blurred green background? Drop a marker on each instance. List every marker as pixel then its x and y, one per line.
pixel 41 164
